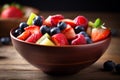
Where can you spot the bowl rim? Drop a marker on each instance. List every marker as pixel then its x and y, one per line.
pixel 84 45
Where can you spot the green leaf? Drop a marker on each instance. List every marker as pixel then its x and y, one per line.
pixel 97 23
pixel 17 5
pixel 5 6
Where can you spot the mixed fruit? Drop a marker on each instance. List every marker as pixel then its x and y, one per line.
pixel 13 10
pixel 58 30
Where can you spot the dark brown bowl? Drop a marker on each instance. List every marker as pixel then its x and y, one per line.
pixel 7 24
pixel 60 60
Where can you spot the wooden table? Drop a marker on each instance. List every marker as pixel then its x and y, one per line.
pixel 14 67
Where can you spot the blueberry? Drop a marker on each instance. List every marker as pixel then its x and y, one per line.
pixel 22 25
pixel 5 40
pixel 79 29
pixel 109 65
pixel 54 30
pixel 84 33
pixel 88 40
pixel 61 25
pixel 117 68
pixel 115 32
pixel 38 21
pixel 17 32
pixel 44 29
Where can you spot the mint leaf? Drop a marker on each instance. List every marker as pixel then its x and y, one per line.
pixel 90 23
pixel 97 23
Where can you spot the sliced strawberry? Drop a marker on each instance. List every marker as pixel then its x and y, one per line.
pixel 70 22
pixel 47 21
pixel 34 37
pixel 53 20
pixel 81 21
pixel 69 32
pixel 99 34
pixel 56 18
pixel 32 29
pixel 24 35
pixel 80 39
pixel 59 39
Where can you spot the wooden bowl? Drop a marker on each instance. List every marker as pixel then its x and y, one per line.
pixel 7 24
pixel 60 60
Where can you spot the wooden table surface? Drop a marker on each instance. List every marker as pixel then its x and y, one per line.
pixel 14 67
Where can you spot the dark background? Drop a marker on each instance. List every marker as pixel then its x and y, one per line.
pixel 70 5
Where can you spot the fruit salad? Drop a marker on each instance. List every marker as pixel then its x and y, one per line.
pixel 56 30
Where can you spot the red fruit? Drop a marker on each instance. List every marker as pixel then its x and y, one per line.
pixel 80 39
pixel 12 12
pixel 69 32
pixel 56 18
pixel 59 39
pixel 24 35
pixel 99 34
pixel 70 22
pixel 47 21
pixel 33 29
pixel 34 37
pixel 81 21
pixel 53 20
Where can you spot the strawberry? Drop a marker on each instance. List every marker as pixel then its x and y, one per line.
pixel 56 18
pixel 69 32
pixel 12 12
pixel 24 35
pixel 80 39
pixel 47 21
pixel 28 31
pixel 69 21
pixel 53 20
pixel 98 34
pixel 59 39
pixel 32 29
pixel 34 37
pixel 81 21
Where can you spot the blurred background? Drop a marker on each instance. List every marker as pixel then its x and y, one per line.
pixel 70 5
pixel 107 10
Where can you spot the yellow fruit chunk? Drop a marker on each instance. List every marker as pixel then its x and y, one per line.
pixel 30 19
pixel 47 42
pixel 42 38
